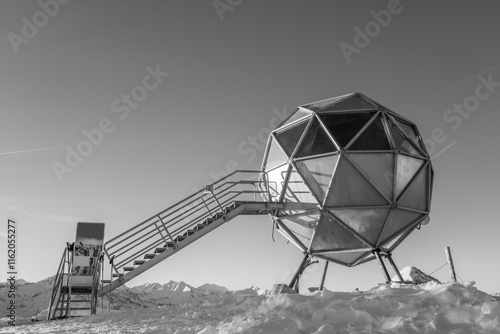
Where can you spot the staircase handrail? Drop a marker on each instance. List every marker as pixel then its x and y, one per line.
pixel 58 280
pixel 145 234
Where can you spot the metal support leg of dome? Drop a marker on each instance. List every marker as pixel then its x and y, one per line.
pixel 322 285
pixel 376 252
pixel 303 265
pixel 391 261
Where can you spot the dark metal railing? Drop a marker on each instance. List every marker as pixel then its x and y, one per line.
pixel 165 226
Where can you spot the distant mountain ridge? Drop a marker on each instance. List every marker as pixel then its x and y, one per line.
pixel 33 298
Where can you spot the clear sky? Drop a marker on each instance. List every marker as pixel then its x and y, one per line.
pixel 233 67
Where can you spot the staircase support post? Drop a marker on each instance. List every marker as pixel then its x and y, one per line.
pixel 391 261
pixel 321 286
pixel 376 252
pixel 295 279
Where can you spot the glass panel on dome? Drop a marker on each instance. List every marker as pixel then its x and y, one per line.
pixel 316 142
pixel 350 188
pixel 297 115
pixel 302 227
pixel 366 222
pixel 399 220
pixel 405 170
pixel 415 196
pixel 373 137
pixel 401 142
pixel 276 156
pixel 276 178
pixel 318 173
pixel 352 103
pixel 409 131
pixel 289 138
pixel 330 235
pixel 343 127
pixel 391 243
pixel 298 191
pixel 379 168
pixel 346 258
pixel 366 258
pixel 307 220
pixel 321 104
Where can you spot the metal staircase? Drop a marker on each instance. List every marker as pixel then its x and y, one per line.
pixel 167 232
pixel 73 301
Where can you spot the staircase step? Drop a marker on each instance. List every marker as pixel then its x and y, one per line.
pixel 169 245
pixel 106 281
pixel 117 275
pixel 79 308
pixel 190 232
pixel 128 268
pixel 180 238
pixel 200 226
pixel 160 249
pixel 77 290
pixel 138 262
pixel 149 256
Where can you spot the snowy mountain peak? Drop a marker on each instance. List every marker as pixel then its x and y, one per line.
pixel 415 275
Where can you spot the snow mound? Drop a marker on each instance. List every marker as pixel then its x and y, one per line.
pixel 395 308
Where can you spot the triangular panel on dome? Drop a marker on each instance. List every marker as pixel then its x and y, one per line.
pixel 275 156
pixel 406 168
pixel 347 258
pixel 409 131
pixel 354 102
pixel 318 173
pixel 415 195
pixel 330 235
pixel 399 220
pixel 392 243
pixel 298 191
pixel 316 142
pixel 302 227
pixel 367 258
pixel 289 138
pixel 373 137
pixel 298 114
pixel 379 168
pixel 350 188
pixel 315 106
pixel 367 223
pixel 344 126
pixel 401 142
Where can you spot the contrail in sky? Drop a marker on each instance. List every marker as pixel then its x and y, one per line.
pixel 34 150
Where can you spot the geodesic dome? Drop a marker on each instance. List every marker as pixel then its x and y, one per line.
pixel 358 173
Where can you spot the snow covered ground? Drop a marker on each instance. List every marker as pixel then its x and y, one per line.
pixel 431 307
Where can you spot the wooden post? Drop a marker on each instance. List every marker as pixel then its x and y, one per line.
pixel 450 262
pixel 324 276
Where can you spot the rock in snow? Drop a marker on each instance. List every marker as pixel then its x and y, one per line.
pixel 414 275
